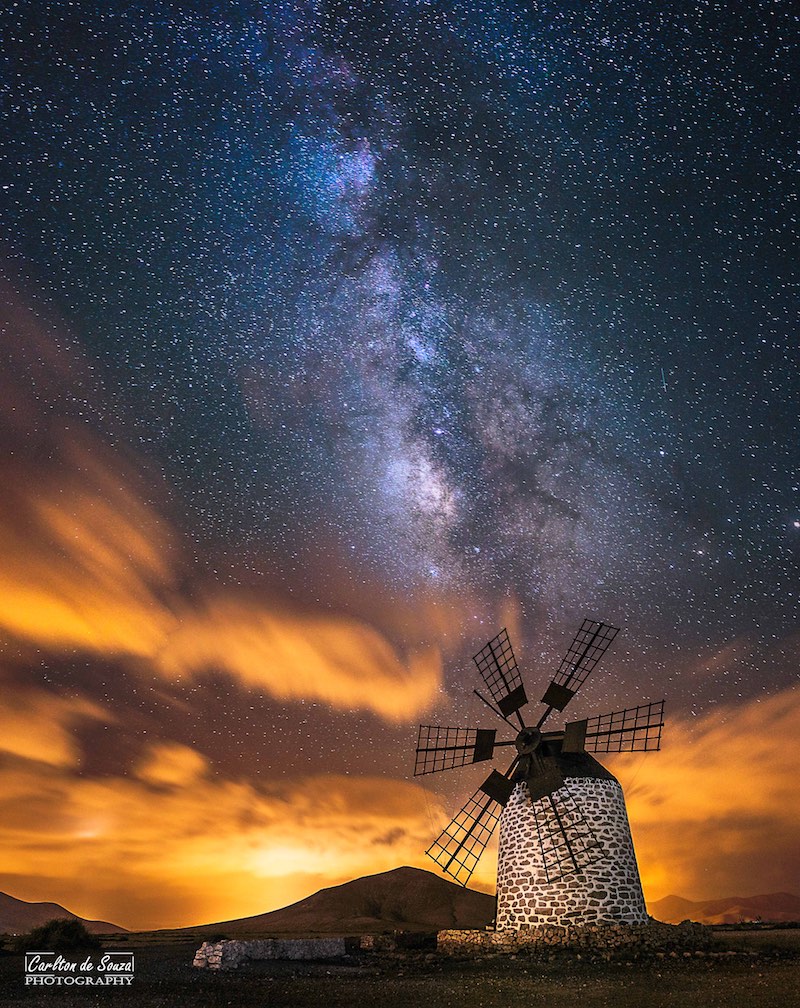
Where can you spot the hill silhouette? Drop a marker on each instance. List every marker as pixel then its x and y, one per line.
pixel 406 899
pixel 18 917
pixel 777 907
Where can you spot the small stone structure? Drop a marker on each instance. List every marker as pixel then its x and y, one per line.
pixel 609 940
pixel 231 954
pixel 607 891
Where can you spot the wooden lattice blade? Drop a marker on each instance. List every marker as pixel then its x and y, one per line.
pixel 446 748
pixel 459 846
pixel 498 668
pixel 588 647
pixel 636 729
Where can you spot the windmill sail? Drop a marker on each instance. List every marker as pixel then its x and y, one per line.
pixel 637 729
pixel 446 748
pixel 459 846
pixel 589 646
pixel 498 668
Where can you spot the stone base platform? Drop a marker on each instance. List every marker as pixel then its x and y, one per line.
pixel 608 940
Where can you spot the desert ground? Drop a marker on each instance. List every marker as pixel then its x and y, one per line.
pixel 764 973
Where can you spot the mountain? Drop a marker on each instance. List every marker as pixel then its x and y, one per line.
pixel 728 910
pixel 404 899
pixel 17 917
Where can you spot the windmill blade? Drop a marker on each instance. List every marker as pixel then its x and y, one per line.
pixel 498 668
pixel 459 846
pixel 589 646
pixel 637 729
pixel 566 840
pixel 446 748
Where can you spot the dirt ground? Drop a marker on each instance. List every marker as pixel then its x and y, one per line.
pixel 765 973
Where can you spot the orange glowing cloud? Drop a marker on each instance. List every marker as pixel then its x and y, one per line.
pixel 84 561
pixel 171 764
pixel 38 726
pixel 338 660
pixel 715 812
pixel 183 848
pixel 87 564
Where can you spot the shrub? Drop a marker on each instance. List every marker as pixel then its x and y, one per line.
pixel 59 935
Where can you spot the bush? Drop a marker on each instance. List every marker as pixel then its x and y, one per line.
pixel 58 935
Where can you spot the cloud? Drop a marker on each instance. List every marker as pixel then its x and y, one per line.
pixel 714 813
pixel 336 659
pixel 85 561
pixel 171 764
pixel 38 726
pixel 143 855
pixel 90 564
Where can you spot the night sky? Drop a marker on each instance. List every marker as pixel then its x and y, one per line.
pixel 337 337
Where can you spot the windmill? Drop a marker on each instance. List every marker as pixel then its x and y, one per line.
pixel 565 853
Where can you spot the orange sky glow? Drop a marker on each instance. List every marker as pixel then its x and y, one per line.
pixel 90 571
pixel 170 845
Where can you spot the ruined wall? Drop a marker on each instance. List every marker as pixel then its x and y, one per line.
pixel 605 892
pixel 230 954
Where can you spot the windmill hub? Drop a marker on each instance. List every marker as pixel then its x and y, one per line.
pixel 528 741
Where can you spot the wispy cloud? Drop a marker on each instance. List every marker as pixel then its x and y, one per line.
pixel 88 564
pixel 38 726
pixel 336 659
pixel 715 812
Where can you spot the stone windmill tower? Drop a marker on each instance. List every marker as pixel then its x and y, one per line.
pixel 566 854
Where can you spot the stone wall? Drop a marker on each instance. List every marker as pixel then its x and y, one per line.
pixel 612 939
pixel 606 891
pixel 232 954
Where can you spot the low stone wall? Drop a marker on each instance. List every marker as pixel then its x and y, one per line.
pixel 606 939
pixel 398 941
pixel 232 954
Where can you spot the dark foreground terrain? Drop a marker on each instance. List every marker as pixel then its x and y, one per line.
pixel 765 973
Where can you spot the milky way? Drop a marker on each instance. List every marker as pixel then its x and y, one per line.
pixel 422 316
